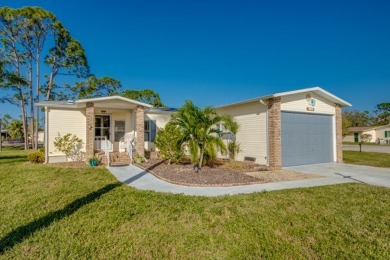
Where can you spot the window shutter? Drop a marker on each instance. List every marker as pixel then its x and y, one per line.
pixel 153 130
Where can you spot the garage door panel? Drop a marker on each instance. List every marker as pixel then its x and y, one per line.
pixel 306 138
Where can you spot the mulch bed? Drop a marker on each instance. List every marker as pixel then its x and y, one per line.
pixel 219 174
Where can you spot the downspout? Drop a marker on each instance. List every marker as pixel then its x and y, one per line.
pixel 46 135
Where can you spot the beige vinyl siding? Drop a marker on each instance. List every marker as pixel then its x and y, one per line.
pixel 161 119
pixel 372 133
pixel 349 138
pixel 380 132
pixel 65 121
pixel 298 103
pixel 252 135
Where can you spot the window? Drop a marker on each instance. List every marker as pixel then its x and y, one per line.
pixel 119 130
pixel 387 134
pixel 150 130
pixel 102 126
pixel 147 130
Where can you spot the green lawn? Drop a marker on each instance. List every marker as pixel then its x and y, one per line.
pixel 367 158
pixel 52 212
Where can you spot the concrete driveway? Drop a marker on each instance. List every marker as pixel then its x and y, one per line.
pixel 367 148
pixel 363 174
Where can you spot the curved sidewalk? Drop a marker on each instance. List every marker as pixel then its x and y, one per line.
pixel 143 180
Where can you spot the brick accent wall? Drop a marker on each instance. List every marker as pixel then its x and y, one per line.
pixel 90 139
pixel 140 128
pixel 339 134
pixel 274 134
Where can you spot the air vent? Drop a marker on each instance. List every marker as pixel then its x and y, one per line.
pixel 70 102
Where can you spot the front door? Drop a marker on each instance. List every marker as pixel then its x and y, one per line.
pixel 356 137
pixel 102 131
pixel 119 133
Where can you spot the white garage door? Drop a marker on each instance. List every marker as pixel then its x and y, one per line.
pixel 306 138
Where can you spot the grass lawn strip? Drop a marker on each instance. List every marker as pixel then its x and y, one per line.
pixel 55 212
pixel 367 158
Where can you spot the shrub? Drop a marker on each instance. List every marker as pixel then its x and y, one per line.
pixel 234 148
pixel 42 149
pixel 169 145
pixel 36 157
pixel 70 145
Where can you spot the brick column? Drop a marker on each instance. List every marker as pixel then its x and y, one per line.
pixel 274 134
pixel 339 134
pixel 90 140
pixel 140 129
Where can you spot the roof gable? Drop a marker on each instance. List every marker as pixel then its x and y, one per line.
pixel 77 103
pixel 317 90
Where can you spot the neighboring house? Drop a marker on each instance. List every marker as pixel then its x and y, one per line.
pixel 378 133
pixel 105 123
pixel 4 134
pixel 289 128
pixel 41 137
pixel 282 129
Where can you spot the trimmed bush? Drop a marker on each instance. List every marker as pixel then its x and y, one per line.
pixel 36 157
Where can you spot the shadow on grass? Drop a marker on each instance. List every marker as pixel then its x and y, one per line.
pixel 21 233
pixel 12 158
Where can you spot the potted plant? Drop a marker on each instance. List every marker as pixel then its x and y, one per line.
pixel 94 161
pixel 138 158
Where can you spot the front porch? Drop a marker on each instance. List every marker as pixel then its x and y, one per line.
pixel 115 130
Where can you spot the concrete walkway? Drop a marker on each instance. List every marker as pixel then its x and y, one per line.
pixel 143 180
pixel 363 174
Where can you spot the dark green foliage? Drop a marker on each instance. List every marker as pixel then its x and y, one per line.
pixel 36 157
pixel 15 129
pixel 98 87
pixel 382 114
pixel 146 96
pixel 168 142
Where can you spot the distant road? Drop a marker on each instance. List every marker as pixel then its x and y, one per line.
pixel 368 148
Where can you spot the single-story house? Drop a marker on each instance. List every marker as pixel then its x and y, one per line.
pixel 379 134
pixel 108 124
pixel 4 134
pixel 282 129
pixel 289 128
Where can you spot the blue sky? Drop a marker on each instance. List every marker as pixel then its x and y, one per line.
pixel 218 52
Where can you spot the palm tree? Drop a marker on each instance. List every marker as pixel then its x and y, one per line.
pixel 233 127
pixel 15 129
pixel 198 131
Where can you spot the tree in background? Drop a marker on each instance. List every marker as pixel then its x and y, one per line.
pixel 382 112
pixel 95 87
pixel 24 34
pixel 15 129
pixel 356 118
pixel 68 58
pixel 366 138
pixel 5 121
pixel 146 96
pixel 12 58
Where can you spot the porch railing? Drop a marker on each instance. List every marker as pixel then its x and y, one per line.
pixel 103 144
pixel 129 148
